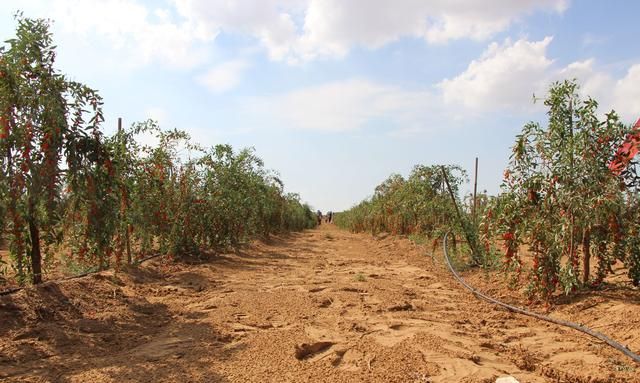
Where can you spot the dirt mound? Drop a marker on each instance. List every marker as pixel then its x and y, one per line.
pixel 323 305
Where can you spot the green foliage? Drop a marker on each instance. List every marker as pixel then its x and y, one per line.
pixel 64 185
pixel 631 242
pixel 561 199
pixel 214 199
pixel 49 136
pixel 418 205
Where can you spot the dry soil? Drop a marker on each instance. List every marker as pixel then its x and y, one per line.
pixel 324 305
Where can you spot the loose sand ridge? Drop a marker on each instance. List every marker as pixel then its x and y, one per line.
pixel 324 306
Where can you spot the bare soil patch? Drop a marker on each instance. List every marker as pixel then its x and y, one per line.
pixel 323 306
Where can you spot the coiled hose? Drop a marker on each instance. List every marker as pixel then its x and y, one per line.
pixel 560 322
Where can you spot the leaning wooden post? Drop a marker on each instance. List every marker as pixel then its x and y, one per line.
pixel 465 229
pixel 475 189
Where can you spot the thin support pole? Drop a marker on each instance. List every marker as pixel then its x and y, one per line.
pixel 475 198
pixel 465 229
pixel 124 195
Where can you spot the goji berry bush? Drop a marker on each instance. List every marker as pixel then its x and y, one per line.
pixel 569 198
pixel 67 190
pixel 419 204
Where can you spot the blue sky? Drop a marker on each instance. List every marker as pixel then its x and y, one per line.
pixel 336 95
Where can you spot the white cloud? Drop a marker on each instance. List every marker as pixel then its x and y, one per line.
pixel 622 94
pixel 593 83
pixel 177 33
pixel 503 78
pixel 269 21
pixel 626 92
pixel 137 35
pixel 223 77
pixel 480 20
pixel 506 75
pixel 349 105
pixel 296 30
pixel 123 34
pixel 333 26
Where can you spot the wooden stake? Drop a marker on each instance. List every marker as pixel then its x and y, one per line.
pixel 470 240
pixel 475 189
pixel 126 234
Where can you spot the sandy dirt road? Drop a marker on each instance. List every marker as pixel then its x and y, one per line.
pixel 320 306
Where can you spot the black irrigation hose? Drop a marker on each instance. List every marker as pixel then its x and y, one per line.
pixel 522 311
pixel 16 289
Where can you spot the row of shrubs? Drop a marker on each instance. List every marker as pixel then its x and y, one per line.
pixel 69 192
pixel 568 211
pixel 419 204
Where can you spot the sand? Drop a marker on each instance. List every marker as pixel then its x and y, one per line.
pixel 324 305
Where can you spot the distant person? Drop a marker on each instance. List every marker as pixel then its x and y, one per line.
pixel 330 217
pixel 319 216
